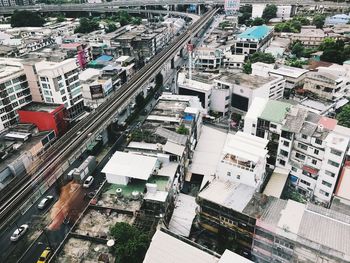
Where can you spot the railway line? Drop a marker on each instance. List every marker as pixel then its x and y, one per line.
pixel 62 149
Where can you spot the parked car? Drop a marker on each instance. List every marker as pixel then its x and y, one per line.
pixel 45 256
pixel 45 202
pixel 19 232
pixel 88 182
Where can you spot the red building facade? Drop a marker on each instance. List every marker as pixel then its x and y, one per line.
pixel 45 117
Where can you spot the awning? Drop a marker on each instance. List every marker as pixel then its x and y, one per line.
pixel 310 170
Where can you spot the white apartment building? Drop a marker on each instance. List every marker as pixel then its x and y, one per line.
pixel 59 83
pixel 229 91
pixel 294 76
pixel 243 160
pixel 309 145
pixel 244 88
pixel 14 91
pixel 208 58
pixel 327 85
pixel 95 88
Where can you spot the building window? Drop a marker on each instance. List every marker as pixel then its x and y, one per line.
pixel 228 173
pixel 294 169
pixel 316 151
pixel 326 183
pixel 324 192
pixel 302 146
pixel 304 136
pixel 273 126
pixel 286 135
pixel 238 176
pixel 282 162
pixel 284 153
pixel 314 162
pixel 329 173
pixel 305 182
pixel 285 143
pixel 333 163
pixel 300 156
pixel 336 152
pixel 253 125
pixel 318 141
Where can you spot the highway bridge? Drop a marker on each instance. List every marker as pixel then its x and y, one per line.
pixel 110 6
pixel 69 146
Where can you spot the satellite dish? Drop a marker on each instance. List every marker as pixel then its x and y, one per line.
pixel 110 243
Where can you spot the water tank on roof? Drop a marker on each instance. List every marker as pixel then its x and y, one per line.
pixel 119 192
pixel 135 195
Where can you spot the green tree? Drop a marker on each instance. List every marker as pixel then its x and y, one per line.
pixel 245 14
pixel 111 27
pixel 318 21
pixel 130 243
pixel 136 21
pixel 26 18
pixel 159 80
pixel 258 21
pixel 344 116
pixel 60 18
pixel 262 57
pixel 247 67
pixel 298 49
pixel 182 130
pixel 269 12
pixel 140 100
pixel 87 25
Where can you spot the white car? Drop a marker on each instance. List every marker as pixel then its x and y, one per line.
pixel 45 202
pixel 19 232
pixel 88 182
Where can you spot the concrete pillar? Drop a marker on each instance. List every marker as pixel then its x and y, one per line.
pixel 172 63
pixel 199 9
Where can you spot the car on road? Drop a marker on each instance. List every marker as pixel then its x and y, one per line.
pixel 45 256
pixel 19 232
pixel 45 202
pixel 88 182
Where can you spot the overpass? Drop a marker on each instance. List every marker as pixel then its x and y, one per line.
pixel 70 146
pixel 113 6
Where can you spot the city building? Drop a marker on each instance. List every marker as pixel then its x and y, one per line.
pixel 310 146
pixel 337 19
pixel 208 58
pixel 14 91
pixel 95 87
pixel 167 244
pixel 47 117
pixel 256 38
pixel 309 36
pixel 243 160
pixel 244 88
pixel 59 83
pixel 268 229
pixel 294 76
pixel 326 85
pixel 82 52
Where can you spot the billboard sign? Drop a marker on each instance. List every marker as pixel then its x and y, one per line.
pixel 96 91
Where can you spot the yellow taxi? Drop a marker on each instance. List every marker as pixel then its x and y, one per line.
pixel 45 255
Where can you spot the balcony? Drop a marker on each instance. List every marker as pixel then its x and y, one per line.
pixel 233 160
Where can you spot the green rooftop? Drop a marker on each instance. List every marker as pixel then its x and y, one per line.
pixel 275 111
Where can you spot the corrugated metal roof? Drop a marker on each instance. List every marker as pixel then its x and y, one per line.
pixel 172 136
pixel 275 111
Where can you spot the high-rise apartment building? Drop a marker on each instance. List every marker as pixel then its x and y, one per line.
pixel 59 83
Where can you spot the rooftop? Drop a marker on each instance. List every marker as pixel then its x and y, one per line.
pixel 242 79
pixel 255 32
pixel 229 194
pixel 38 106
pixel 130 165
pixel 164 246
pixel 291 72
pixel 277 182
pixel 245 146
pixel 275 111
